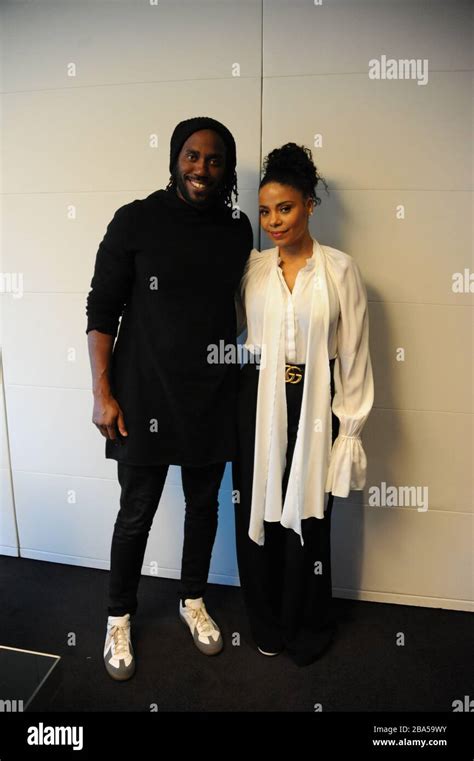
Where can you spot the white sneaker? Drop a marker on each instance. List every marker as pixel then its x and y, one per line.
pixel 204 629
pixel 119 657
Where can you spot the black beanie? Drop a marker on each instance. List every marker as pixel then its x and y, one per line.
pixel 186 128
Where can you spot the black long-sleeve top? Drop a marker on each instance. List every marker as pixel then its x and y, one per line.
pixel 170 271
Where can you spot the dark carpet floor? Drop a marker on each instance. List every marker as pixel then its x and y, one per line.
pixel 364 670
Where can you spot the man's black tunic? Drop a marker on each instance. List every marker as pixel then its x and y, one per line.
pixel 171 270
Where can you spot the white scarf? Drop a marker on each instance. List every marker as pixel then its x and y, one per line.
pixel 305 495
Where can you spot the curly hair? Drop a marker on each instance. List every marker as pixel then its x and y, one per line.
pixel 293 165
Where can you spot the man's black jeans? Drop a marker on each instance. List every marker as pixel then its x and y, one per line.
pixel 142 487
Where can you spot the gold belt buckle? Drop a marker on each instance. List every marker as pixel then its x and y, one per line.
pixel 291 376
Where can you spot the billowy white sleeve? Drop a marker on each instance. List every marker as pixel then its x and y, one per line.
pixel 353 383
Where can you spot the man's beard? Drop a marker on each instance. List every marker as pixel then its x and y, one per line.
pixel 211 199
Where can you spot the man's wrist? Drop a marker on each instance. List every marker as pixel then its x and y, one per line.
pixel 102 390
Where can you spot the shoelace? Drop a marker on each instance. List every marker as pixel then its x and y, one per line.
pixel 120 638
pixel 203 622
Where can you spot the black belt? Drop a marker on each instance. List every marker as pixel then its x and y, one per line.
pixel 293 373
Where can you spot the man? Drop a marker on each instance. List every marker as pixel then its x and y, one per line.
pixel 170 265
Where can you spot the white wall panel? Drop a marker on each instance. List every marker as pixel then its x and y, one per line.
pixel 404 556
pixel 101 135
pixel 125 41
pixel 421 448
pixel 341 36
pixel 8 531
pixel 403 260
pixel 436 373
pixel 376 133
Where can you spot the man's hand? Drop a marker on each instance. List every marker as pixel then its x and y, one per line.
pixel 108 417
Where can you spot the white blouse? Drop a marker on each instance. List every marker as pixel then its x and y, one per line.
pixel 298 310
pixel 329 302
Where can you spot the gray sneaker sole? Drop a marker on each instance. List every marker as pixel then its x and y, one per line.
pixel 123 673
pixel 213 648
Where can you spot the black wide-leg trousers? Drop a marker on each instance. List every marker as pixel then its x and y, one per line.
pixel 141 490
pixel 286 586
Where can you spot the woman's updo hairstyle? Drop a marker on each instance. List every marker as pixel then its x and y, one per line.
pixel 293 165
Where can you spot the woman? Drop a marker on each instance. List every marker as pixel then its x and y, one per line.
pixel 305 394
